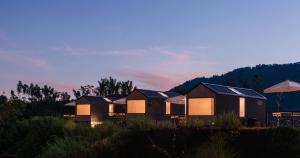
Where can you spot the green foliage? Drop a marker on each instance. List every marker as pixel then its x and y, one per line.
pixel 192 123
pixel 106 87
pixel 40 131
pixel 217 146
pixel 69 147
pixel 228 121
pixel 140 123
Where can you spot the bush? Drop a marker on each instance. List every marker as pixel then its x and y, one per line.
pixel 192 123
pixel 67 147
pixel 40 131
pixel 228 121
pixel 217 147
pixel 140 123
pixel 165 125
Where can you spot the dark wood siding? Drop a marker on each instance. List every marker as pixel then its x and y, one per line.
pixel 155 108
pixel 227 104
pixel 256 109
pixel 177 109
pixel 98 111
pixel 200 92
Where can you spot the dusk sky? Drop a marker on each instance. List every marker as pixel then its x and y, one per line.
pixel 157 44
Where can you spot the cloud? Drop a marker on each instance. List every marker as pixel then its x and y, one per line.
pixel 69 50
pixel 150 79
pixel 23 60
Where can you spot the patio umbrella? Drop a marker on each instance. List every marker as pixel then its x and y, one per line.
pixel 177 100
pixel 283 87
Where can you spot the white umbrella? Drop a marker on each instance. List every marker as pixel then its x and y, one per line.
pixel 120 101
pixel 285 86
pixel 177 100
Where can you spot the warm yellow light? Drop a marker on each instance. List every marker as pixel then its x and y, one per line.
pixel 168 108
pixel 83 109
pixel 242 107
pixel 201 106
pixel 136 106
pixel 94 124
pixel 111 108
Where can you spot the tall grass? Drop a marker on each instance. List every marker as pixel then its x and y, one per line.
pixel 228 121
pixel 217 146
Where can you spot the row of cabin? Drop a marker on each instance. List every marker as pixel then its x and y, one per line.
pixel 205 101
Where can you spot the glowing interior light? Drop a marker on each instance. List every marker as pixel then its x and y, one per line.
pixel 168 108
pixel 242 107
pixel 136 106
pixel 83 109
pixel 201 106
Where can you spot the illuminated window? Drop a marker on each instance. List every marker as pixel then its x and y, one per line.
pixel 136 106
pixel 201 106
pixel 168 108
pixel 111 108
pixel 83 109
pixel 242 107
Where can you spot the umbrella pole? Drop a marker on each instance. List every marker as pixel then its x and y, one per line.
pixel 279 96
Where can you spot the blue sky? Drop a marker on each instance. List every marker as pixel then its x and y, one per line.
pixel 156 44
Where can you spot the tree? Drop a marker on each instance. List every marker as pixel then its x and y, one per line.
pixel 112 87
pixel 3 98
pixel 257 83
pixel 84 91
pixel 64 96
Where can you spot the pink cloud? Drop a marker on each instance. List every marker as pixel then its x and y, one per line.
pixel 150 79
pixel 22 60
pixel 69 50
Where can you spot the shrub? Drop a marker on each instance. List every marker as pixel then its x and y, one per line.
pixel 228 121
pixel 140 123
pixel 192 123
pixel 40 131
pixel 67 147
pixel 165 125
pixel 216 147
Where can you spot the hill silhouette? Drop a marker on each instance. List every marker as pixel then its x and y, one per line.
pixel 258 78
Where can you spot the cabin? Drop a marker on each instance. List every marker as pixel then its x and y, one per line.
pixel 175 106
pixel 92 109
pixel 206 101
pixel 69 110
pixel 117 108
pixel 148 103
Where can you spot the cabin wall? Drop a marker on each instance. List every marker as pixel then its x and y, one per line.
pixel 227 104
pixel 256 108
pixel 156 109
pixel 200 92
pixel 99 111
pixel 177 109
pixel 119 108
pixel 81 118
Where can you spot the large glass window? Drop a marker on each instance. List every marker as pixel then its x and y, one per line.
pixel 136 106
pixel 83 109
pixel 201 106
pixel 242 107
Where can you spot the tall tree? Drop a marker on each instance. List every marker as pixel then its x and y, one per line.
pixel 257 83
pixel 3 98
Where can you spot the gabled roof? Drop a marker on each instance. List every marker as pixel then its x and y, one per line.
pixel 235 91
pixel 157 94
pixel 95 99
